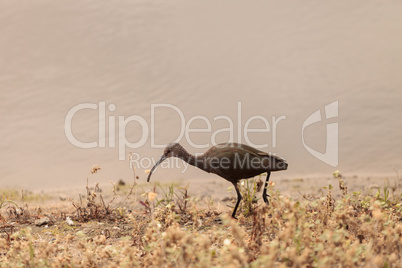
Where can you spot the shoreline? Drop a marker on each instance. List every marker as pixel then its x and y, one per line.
pixel 216 188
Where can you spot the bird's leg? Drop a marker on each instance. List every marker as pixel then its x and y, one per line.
pixel 238 200
pixel 264 193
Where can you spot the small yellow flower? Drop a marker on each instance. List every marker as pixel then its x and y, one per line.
pixel 151 196
pixel 95 169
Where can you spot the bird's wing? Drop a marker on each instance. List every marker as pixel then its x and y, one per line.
pixel 248 149
pixel 242 147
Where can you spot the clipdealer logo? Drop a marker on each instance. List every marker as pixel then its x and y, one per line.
pixel 330 156
pixel 242 131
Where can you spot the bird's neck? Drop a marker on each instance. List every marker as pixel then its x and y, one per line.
pixel 197 161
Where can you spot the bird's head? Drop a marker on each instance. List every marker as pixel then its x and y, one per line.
pixel 173 149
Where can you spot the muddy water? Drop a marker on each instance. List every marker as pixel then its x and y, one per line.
pixel 226 62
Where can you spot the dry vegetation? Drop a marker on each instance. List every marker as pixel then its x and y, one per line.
pixel 170 228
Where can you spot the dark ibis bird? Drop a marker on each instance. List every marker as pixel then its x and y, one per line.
pixel 231 161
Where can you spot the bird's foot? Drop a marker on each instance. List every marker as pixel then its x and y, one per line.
pixel 265 197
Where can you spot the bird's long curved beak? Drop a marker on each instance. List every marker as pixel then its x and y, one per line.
pixel 163 157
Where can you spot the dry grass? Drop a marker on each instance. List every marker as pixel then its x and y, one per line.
pixel 174 229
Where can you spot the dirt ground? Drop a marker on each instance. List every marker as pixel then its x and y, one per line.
pixel 69 214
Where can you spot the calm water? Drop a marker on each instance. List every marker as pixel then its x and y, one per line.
pixel 203 58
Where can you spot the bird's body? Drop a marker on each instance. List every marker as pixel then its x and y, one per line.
pixel 238 161
pixel 231 161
